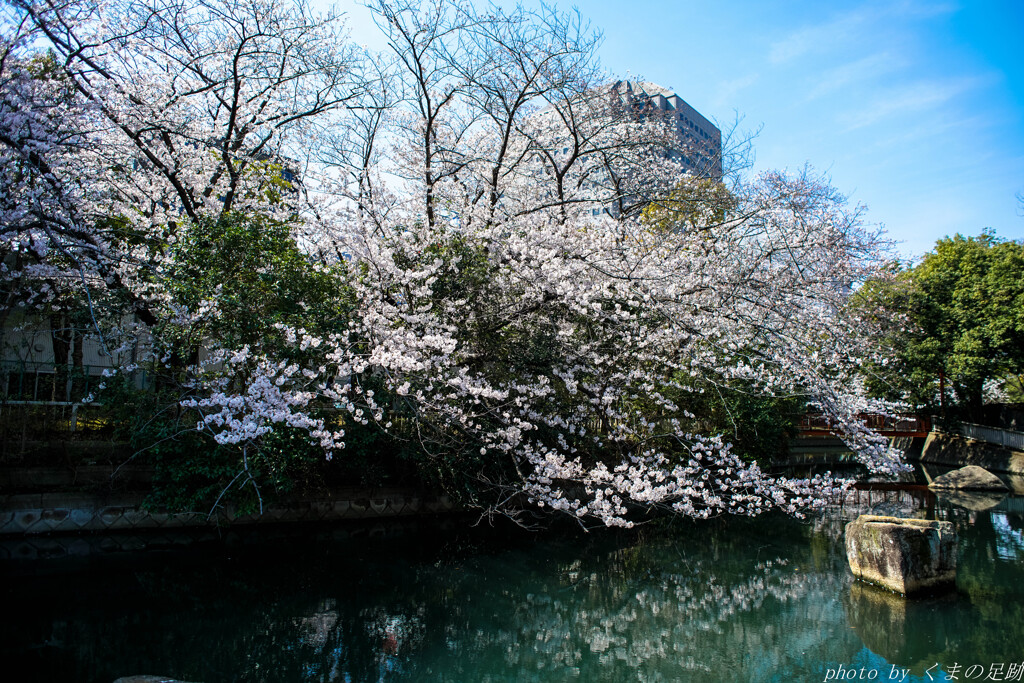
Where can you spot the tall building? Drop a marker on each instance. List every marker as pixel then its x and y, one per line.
pixel 616 169
pixel 699 142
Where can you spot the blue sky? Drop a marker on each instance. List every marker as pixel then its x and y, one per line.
pixel 915 109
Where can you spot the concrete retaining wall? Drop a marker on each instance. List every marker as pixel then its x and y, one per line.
pixel 45 513
pixel 956 451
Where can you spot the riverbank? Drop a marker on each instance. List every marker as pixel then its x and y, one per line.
pixel 99 497
pixel 60 512
pixel 953 450
pixel 74 487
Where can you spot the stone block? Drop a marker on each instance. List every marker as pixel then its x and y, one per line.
pixel 110 517
pixel 54 517
pixel 904 555
pixel 81 518
pixel 26 521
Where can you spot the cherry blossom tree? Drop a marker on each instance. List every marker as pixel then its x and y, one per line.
pixel 151 115
pixel 516 306
pixel 131 134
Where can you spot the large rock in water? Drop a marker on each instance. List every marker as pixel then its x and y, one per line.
pixel 970 478
pixel 904 555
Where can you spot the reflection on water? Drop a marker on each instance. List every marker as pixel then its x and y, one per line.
pixel 728 600
pixel 912 634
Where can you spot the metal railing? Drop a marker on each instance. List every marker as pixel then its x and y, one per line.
pixel 39 398
pixel 46 383
pixel 890 425
pixel 993 435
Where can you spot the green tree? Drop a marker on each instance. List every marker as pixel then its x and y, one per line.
pixel 694 204
pixel 252 270
pixel 257 275
pixel 956 318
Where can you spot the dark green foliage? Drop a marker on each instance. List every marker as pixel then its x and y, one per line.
pixel 958 314
pixel 758 426
pixel 190 470
pixel 259 277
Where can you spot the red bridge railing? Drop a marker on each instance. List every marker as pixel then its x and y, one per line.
pixel 886 425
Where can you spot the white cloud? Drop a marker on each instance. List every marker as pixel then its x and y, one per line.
pixel 856 72
pixel 725 92
pixel 819 37
pixel 860 26
pixel 914 98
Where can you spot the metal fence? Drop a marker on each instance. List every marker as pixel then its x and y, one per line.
pixel 23 381
pixel 1000 437
pixel 38 400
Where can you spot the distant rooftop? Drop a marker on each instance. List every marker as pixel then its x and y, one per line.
pixel 663 99
pixel 645 87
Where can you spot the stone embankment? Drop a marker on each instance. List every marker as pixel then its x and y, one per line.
pixel 45 513
pixel 953 450
pixel 82 488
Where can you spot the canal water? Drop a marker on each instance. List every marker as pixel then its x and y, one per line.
pixel 768 599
